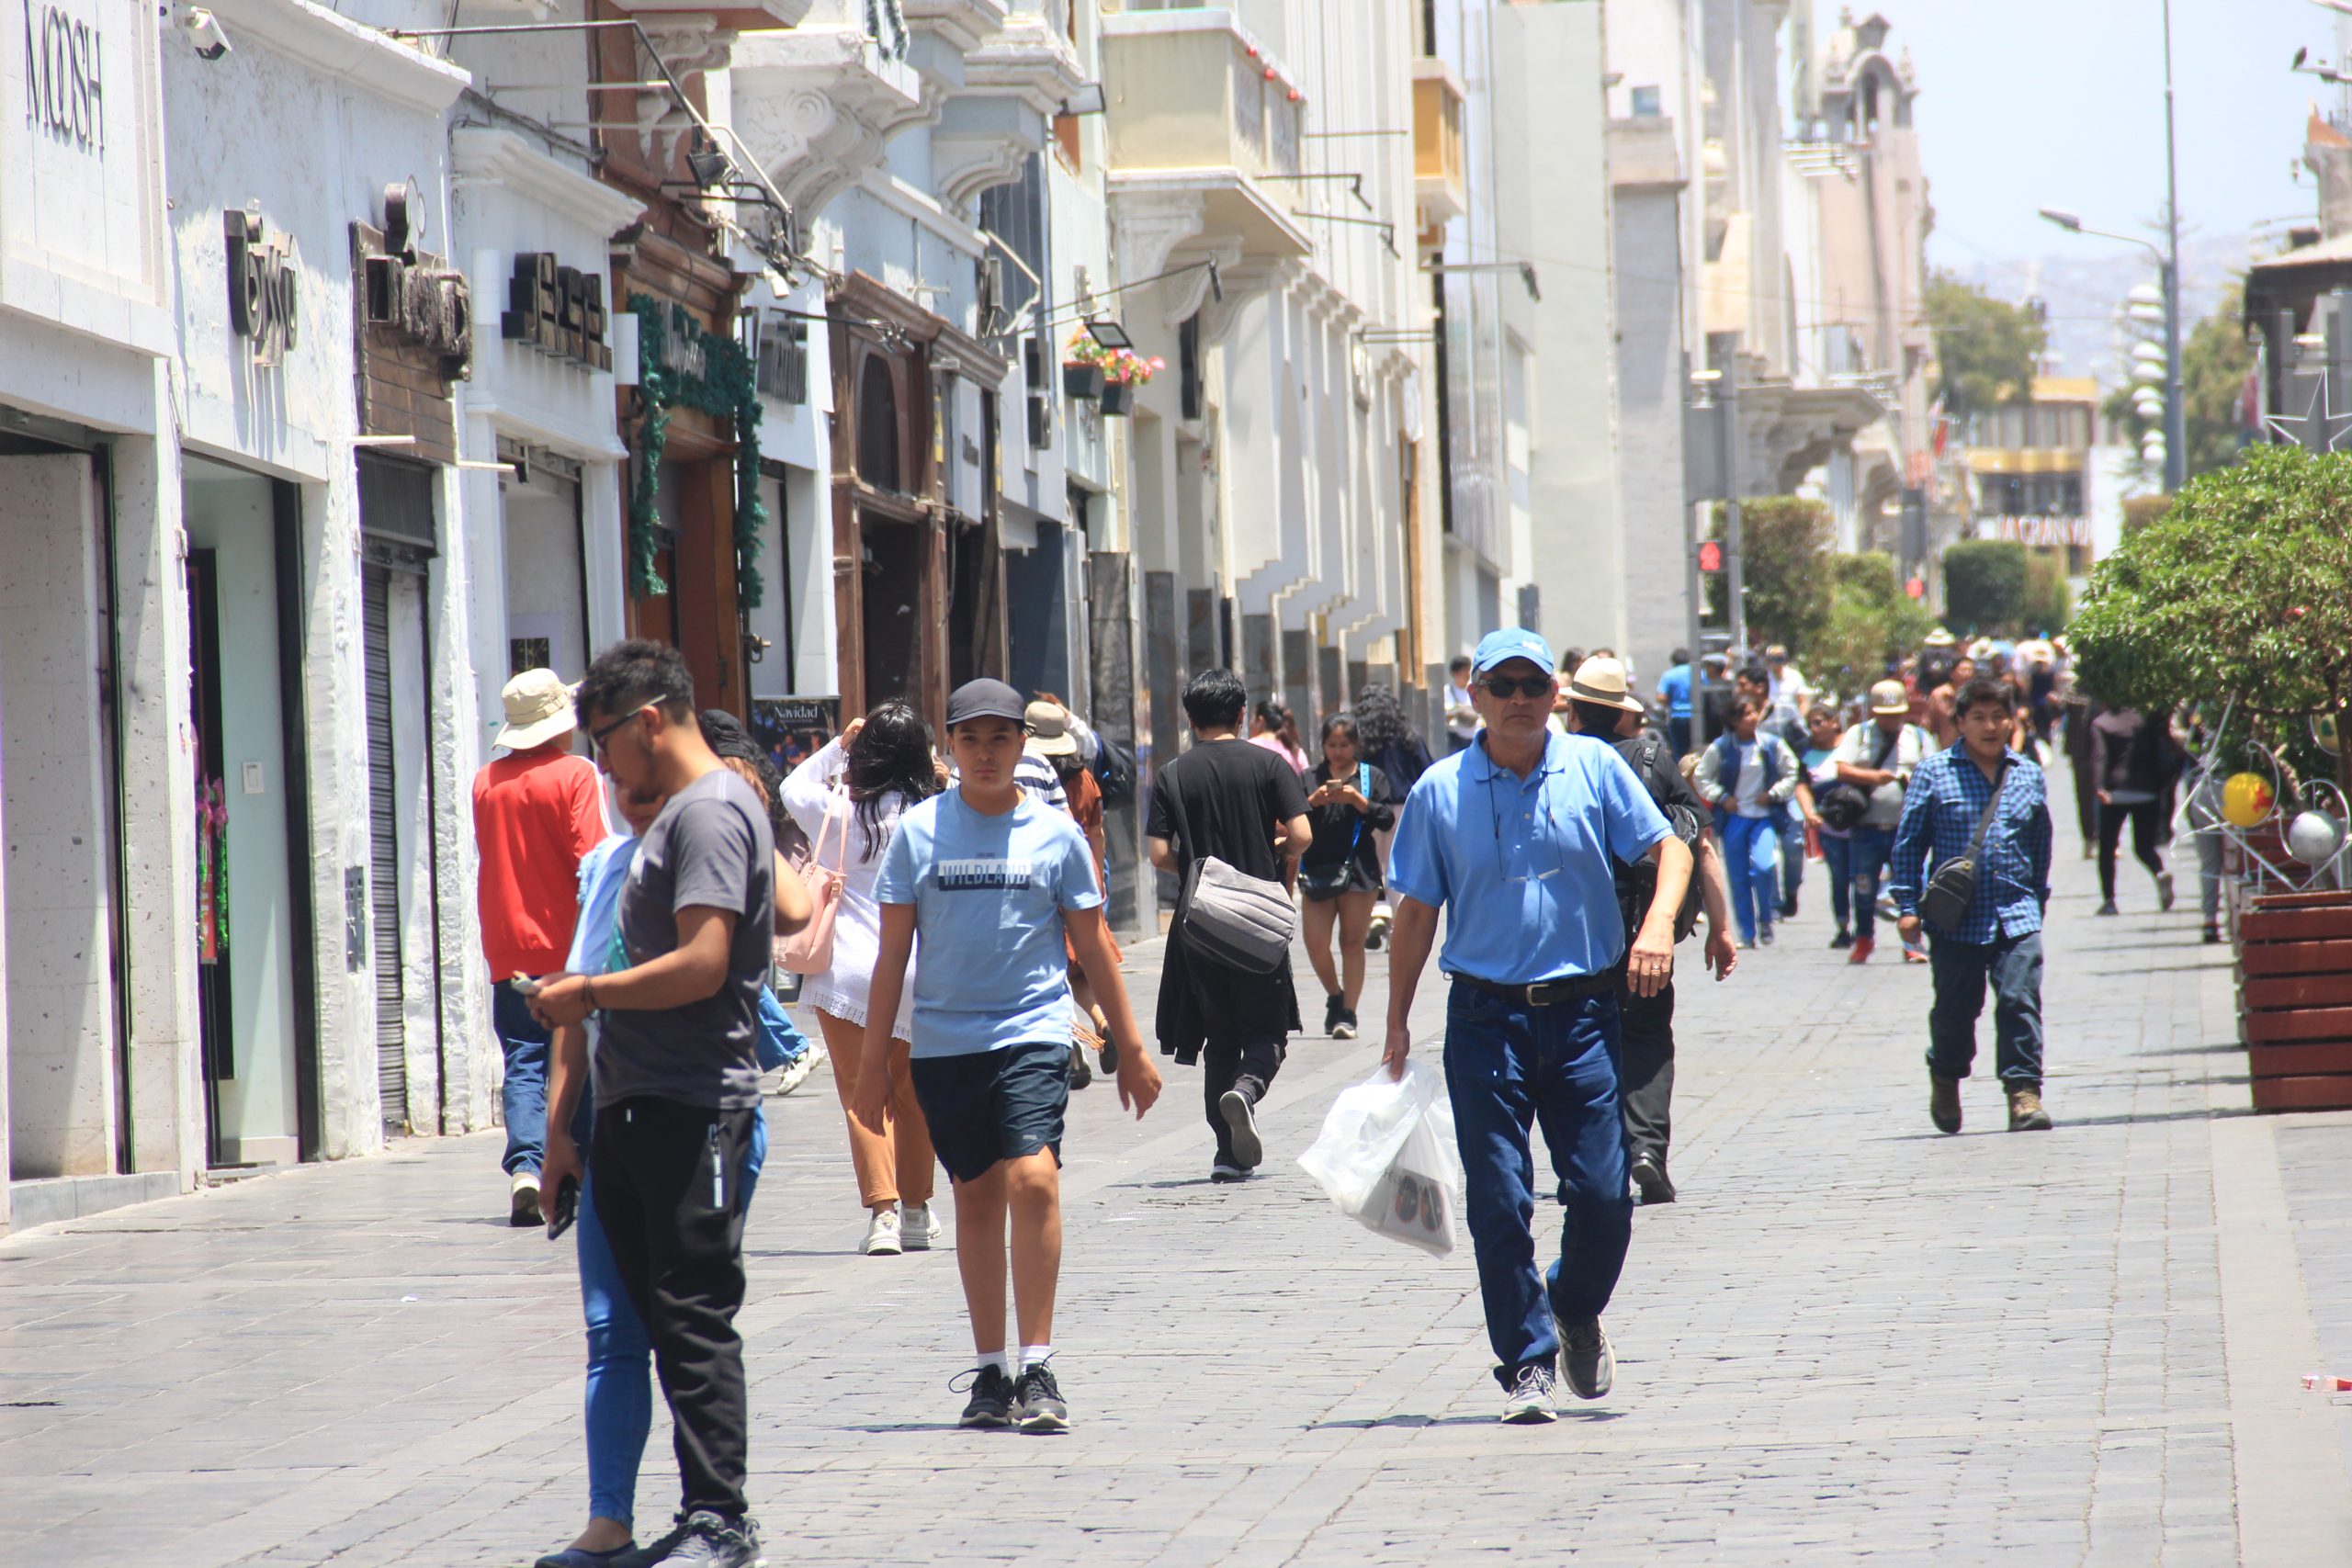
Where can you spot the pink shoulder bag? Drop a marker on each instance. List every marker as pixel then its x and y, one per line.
pixel 810 950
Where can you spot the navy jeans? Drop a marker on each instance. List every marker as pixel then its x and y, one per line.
pixel 1866 852
pixel 1837 854
pixel 2012 964
pixel 1508 1067
pixel 525 1097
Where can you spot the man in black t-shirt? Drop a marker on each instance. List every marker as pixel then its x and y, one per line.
pixel 1242 804
pixel 1600 705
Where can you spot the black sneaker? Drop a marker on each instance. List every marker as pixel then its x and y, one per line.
pixel 1649 1176
pixel 653 1551
pixel 1248 1149
pixel 1037 1402
pixel 1080 1075
pixel 990 1407
pixel 1346 1028
pixel 1333 1011
pixel 1842 940
pixel 1584 1356
pixel 711 1542
pixel 1224 1172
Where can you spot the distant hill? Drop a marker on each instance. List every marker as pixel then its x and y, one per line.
pixel 2084 292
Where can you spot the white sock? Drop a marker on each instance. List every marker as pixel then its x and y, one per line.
pixel 1035 1355
pixel 998 1359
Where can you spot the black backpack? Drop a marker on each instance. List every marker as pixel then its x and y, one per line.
pixel 1114 771
pixel 1645 754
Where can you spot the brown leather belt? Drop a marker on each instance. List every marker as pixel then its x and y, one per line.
pixel 1543 993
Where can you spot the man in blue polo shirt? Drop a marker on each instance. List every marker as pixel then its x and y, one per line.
pixel 1513 839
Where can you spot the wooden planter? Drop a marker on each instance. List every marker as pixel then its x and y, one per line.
pixel 2295 999
pixel 1082 380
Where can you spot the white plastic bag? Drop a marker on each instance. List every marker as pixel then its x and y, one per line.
pixel 1385 1157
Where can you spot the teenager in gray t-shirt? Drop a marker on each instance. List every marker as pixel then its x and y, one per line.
pixel 710 847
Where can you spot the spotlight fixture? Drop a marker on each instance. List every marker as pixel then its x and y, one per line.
pixel 1109 332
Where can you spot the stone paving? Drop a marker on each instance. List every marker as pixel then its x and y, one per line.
pixel 1853 1338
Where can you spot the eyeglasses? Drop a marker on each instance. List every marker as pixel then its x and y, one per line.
pixel 596 738
pixel 1504 688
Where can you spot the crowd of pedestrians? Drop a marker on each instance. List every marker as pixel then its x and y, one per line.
pixel 943 911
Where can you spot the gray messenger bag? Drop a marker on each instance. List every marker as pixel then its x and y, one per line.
pixel 1951 887
pixel 1228 916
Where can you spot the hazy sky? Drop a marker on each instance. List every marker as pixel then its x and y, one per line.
pixel 2025 104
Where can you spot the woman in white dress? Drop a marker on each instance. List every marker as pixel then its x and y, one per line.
pixel 847 799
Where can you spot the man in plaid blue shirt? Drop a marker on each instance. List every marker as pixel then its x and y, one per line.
pixel 1998 940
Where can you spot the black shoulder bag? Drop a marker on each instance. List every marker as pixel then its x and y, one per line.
pixel 1943 903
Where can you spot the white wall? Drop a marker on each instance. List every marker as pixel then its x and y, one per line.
pixel 54 825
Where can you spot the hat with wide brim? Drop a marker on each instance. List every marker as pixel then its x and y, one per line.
pixel 1940 639
pixel 538 708
pixel 1601 681
pixel 1050 733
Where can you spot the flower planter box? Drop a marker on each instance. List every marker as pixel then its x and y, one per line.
pixel 1082 380
pixel 1118 397
pixel 2295 999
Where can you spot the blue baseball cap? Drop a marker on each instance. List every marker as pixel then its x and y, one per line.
pixel 1512 642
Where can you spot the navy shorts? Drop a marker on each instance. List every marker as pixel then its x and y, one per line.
pixel 987 1106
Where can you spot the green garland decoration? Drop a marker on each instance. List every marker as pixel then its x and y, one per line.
pixel 727 389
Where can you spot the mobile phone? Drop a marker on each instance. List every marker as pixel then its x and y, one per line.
pixel 524 985
pixel 565 1207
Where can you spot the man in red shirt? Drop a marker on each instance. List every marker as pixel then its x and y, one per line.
pixel 537 811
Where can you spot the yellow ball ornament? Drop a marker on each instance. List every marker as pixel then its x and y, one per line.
pixel 2246 799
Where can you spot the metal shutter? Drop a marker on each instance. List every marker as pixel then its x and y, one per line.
pixel 383 844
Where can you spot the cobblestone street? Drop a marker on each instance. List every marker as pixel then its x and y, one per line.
pixel 1853 1337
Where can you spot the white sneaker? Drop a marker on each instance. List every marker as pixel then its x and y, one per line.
pixel 882 1234
pixel 919 1228
pixel 522 1200
pixel 794 1073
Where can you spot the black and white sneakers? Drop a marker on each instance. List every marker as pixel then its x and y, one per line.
pixel 1038 1404
pixel 990 1407
pixel 1584 1356
pixel 1532 1399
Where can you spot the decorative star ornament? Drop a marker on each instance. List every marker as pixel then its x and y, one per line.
pixel 2318 427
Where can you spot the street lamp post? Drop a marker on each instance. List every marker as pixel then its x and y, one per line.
pixel 2168 270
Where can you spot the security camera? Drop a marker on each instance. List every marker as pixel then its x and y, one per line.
pixel 203 30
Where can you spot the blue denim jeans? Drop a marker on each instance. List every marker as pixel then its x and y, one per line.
pixel 620 1356
pixel 1866 852
pixel 524 1098
pixel 1508 1067
pixel 1837 856
pixel 2012 964
pixel 1751 857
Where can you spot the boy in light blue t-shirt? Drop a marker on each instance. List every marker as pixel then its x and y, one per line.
pixel 992 880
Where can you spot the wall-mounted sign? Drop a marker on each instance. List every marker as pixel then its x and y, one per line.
pixel 681 350
pixel 65 77
pixel 559 311
pixel 780 356
pixel 263 286
pixel 415 330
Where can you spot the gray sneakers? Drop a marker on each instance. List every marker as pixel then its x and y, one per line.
pixel 710 1542
pixel 1585 1357
pixel 1531 1400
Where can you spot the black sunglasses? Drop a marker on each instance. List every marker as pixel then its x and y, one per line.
pixel 1505 687
pixel 596 738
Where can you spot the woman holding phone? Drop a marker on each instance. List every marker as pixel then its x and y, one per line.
pixel 1349 801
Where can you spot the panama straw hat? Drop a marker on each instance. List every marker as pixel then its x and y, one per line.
pixel 538 708
pixel 1602 681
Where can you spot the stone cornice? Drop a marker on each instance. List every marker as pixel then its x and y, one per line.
pixel 483 155
pixel 370 61
pixel 817 107
pixel 963 25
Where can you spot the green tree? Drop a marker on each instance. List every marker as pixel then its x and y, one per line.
pixel 1985 349
pixel 2240 596
pixel 1871 623
pixel 1985 584
pixel 1784 540
pixel 2214 364
pixel 2048 601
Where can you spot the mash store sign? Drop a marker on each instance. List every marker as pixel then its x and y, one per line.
pixel 65 76
pixel 263 286
pixel 559 311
